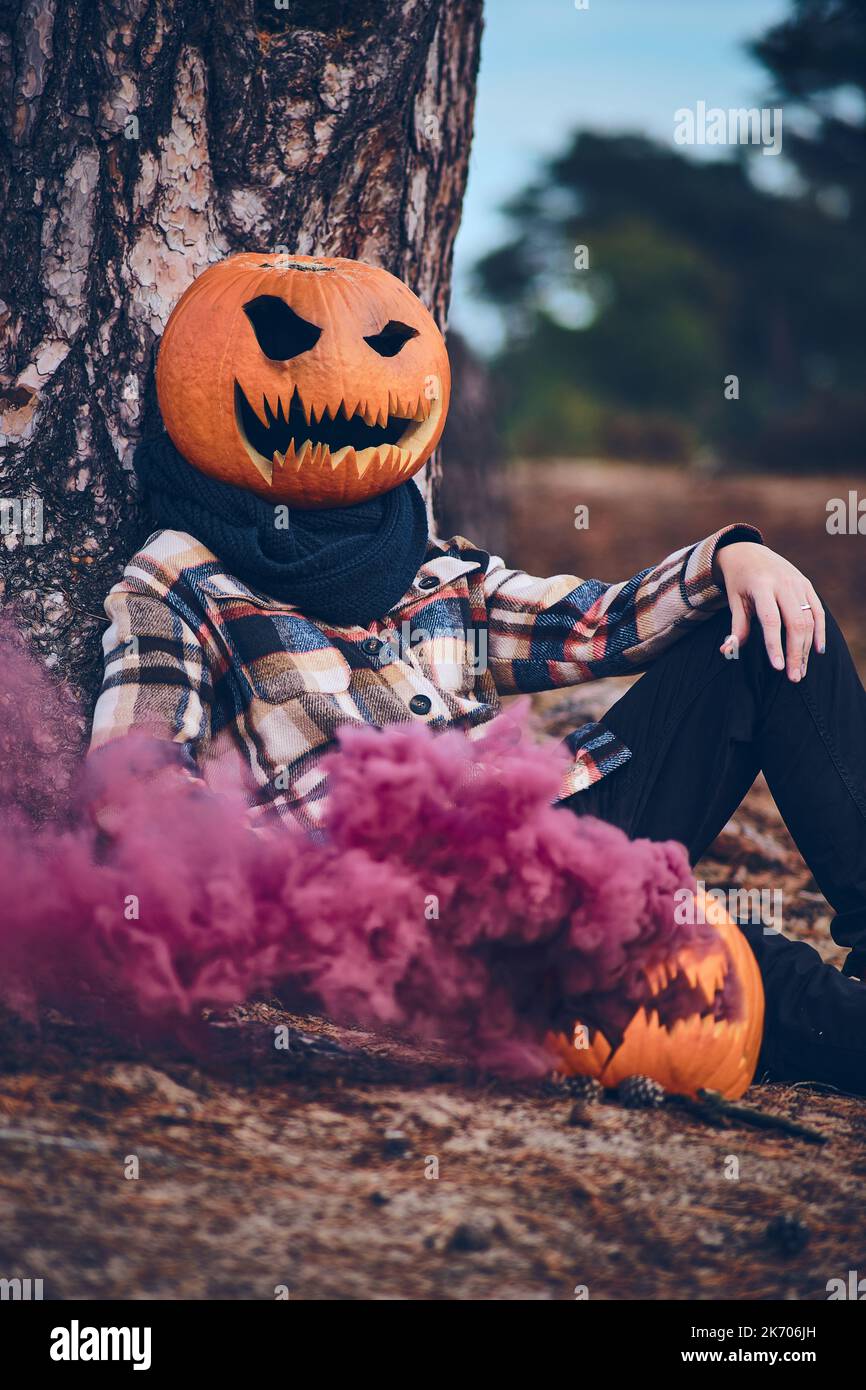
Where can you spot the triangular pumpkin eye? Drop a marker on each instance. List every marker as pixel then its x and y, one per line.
pixel 280 332
pixel 389 341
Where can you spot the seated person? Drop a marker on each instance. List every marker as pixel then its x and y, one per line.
pixel 292 588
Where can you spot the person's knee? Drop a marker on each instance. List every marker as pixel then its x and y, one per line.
pixel 713 631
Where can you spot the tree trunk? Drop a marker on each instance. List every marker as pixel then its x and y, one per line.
pixel 144 139
pixel 470 494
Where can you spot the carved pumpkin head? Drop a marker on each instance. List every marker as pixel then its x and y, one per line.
pixel 712 1005
pixel 309 381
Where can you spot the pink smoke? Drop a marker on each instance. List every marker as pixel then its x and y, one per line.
pixel 446 897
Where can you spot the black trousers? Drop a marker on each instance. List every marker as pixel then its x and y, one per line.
pixel 701 727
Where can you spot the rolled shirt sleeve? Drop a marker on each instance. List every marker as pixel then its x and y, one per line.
pixel 563 630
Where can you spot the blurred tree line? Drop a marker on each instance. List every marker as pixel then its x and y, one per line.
pixel 696 273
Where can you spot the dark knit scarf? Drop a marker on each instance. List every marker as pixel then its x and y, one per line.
pixel 344 565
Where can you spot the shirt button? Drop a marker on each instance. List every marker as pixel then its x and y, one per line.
pixel 420 704
pixel 428 581
pixel 371 645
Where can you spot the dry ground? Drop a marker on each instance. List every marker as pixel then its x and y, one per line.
pixel 308 1168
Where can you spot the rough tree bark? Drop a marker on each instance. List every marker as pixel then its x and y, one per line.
pixel 144 139
pixel 470 492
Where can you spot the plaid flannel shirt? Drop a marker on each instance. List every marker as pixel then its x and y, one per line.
pixel 251 687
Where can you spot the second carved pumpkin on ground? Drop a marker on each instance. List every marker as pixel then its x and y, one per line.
pixel 707 1046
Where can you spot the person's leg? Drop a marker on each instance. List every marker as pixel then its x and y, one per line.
pixel 700 727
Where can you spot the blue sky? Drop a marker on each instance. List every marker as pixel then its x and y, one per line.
pixel 548 69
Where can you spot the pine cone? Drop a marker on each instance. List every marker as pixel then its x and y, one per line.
pixel 584 1088
pixel 640 1093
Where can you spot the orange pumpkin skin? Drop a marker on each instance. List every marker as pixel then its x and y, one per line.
pixel 696 1052
pixel 395 404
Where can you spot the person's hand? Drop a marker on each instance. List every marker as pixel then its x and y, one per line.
pixel 762 584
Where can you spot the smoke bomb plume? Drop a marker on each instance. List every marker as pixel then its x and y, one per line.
pixel 446 897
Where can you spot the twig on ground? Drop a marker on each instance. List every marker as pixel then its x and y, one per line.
pixel 712 1107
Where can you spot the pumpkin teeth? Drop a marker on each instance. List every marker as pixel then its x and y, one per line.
pixel 657 979
pixel 263 466
pixel 698 1048
pixel 383 462
pixel 306 408
pixel 706 976
pixel 711 974
pixel 345 458
pixel 407 408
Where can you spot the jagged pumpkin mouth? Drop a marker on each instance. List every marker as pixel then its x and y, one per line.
pixel 698 992
pixel 692 1021
pixel 285 437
